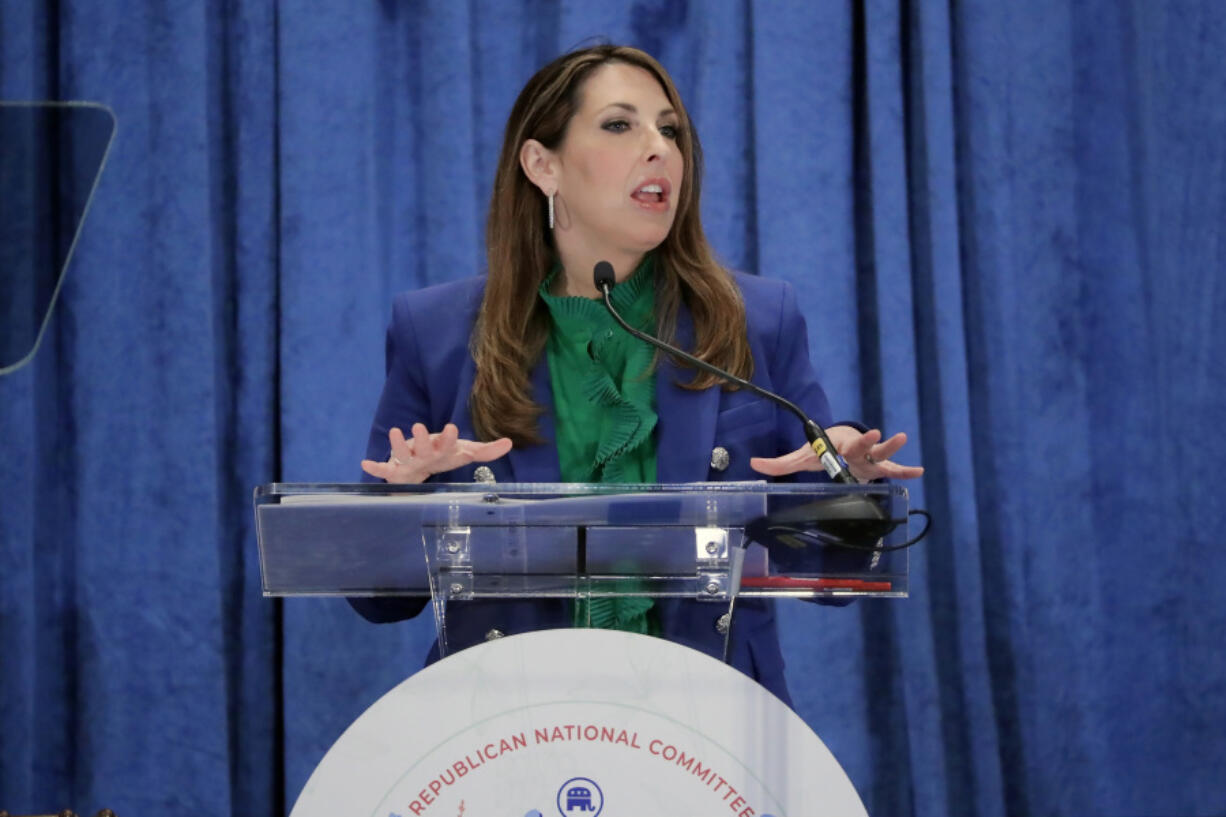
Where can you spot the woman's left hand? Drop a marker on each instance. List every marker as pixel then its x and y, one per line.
pixel 867 457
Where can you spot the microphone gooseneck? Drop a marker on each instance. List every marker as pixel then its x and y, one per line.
pixel 605 280
pixel 852 521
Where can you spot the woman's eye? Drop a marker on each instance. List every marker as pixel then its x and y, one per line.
pixel 668 131
pixel 617 126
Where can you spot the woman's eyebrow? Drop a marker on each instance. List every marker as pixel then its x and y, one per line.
pixel 626 106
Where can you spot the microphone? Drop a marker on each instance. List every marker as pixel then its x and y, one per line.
pixel 851 521
pixel 605 280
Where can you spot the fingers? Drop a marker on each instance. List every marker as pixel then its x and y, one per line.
pixel 445 440
pixel 414 459
pixel 887 449
pixel 867 448
pixel 854 449
pixel 869 459
pixel 893 470
pixel 802 459
pixel 380 470
pixel 867 456
pixel 400 449
pixel 484 452
pixel 771 467
pixel 859 446
pixel 421 440
pixel 432 451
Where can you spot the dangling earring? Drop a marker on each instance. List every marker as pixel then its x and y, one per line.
pixel 550 198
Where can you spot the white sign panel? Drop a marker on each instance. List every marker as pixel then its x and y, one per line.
pixel 578 723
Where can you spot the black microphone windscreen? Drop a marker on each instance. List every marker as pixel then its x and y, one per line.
pixel 603 275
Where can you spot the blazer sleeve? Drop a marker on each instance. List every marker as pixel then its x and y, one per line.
pixel 404 400
pixel 791 370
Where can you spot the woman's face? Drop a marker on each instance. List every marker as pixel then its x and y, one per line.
pixel 620 170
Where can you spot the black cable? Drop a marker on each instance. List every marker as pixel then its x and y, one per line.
pixel 816 537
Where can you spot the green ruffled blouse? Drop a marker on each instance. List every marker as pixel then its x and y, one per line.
pixel 604 408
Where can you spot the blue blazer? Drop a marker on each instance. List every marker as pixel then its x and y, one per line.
pixel 430 374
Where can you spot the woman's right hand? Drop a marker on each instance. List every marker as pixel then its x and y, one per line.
pixel 414 460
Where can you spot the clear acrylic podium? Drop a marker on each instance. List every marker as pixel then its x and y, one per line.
pixel 712 542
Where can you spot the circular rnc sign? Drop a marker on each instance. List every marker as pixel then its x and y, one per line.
pixel 577 723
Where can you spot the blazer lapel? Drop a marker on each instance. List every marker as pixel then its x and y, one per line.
pixel 686 419
pixel 538 463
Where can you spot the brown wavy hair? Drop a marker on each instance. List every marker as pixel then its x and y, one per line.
pixel 513 323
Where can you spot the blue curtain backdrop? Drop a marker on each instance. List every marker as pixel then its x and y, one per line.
pixel 1004 221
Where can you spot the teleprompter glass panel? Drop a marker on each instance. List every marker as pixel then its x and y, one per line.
pixel 702 540
pixel 51 157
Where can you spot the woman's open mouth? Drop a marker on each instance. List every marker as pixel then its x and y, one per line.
pixel 652 194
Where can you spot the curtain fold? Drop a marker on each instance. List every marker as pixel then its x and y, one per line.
pixel 1004 226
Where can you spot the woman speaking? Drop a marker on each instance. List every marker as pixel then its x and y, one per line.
pixel 521 375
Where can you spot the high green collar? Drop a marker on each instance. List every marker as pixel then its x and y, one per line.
pixel 578 317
